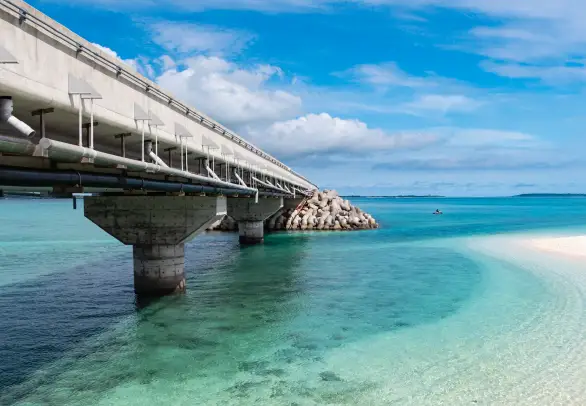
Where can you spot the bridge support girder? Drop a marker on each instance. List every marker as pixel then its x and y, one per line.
pixel 157 227
pixel 250 216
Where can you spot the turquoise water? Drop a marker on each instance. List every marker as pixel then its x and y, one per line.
pixel 308 318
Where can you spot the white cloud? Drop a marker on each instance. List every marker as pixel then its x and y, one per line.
pixel 532 39
pixel 486 161
pixel 269 6
pixel 561 74
pixel 258 5
pixel 534 49
pixel 106 50
pixel 432 94
pixel 569 10
pixel 387 75
pixel 487 138
pixel 480 150
pixel 192 38
pixel 443 104
pixel 324 134
pixel 516 42
pixel 536 33
pixel 167 62
pixel 130 62
pixel 229 93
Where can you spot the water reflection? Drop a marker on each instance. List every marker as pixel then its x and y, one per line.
pixel 248 291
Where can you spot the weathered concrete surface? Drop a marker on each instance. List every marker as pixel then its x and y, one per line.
pixel 245 208
pixel 154 220
pixel 159 269
pixel 251 232
pixel 250 217
pixel 157 227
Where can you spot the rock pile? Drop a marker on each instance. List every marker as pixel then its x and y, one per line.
pixel 322 211
pixel 226 224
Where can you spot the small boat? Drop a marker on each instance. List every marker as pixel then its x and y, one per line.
pixel 438 212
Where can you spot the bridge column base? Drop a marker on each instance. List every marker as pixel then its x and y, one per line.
pixel 159 270
pixel 251 215
pixel 251 232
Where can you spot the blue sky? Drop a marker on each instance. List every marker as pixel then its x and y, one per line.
pixel 451 97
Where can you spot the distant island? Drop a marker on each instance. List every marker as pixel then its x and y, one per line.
pixel 551 195
pixel 396 197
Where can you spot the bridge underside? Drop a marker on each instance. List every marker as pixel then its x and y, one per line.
pixel 63 127
pixel 70 179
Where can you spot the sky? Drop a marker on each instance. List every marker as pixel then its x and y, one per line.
pixel 376 97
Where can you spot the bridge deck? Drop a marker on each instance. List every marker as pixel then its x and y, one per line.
pixel 60 70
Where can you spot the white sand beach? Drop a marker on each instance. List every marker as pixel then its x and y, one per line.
pixel 570 246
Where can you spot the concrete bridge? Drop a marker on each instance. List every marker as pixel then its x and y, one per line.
pixel 76 120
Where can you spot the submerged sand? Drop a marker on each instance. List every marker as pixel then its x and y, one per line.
pixel 521 341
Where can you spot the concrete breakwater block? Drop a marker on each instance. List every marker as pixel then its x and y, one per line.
pixel 323 211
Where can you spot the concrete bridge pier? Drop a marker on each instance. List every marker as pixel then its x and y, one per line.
pixel 250 216
pixel 157 227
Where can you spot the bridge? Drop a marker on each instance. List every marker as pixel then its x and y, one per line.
pixel 156 171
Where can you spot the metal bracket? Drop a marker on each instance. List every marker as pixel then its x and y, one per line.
pixel 123 143
pixel 170 151
pixel 212 173
pixel 22 17
pixel 141 115
pixel 41 113
pixel 239 179
pixel 87 126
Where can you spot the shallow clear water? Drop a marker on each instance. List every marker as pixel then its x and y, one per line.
pixel 308 318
